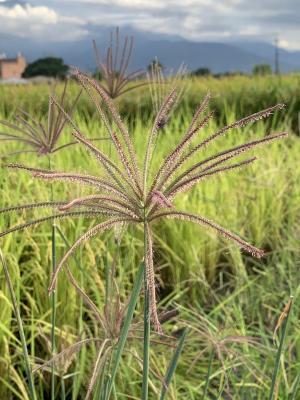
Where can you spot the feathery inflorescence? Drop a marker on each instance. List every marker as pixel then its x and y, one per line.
pixel 128 193
pixel 113 69
pixel 160 82
pixel 39 137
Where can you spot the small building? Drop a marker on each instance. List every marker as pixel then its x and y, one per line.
pixel 11 68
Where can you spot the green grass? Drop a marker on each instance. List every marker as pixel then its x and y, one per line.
pixel 240 95
pixel 220 293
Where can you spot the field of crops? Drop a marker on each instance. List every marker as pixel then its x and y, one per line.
pixel 229 302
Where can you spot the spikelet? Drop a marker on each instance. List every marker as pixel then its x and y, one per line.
pixel 68 352
pixel 33 206
pixel 116 205
pixel 237 124
pixel 229 154
pixel 168 168
pixel 160 199
pixel 188 183
pixel 87 235
pixel 85 214
pixel 258 253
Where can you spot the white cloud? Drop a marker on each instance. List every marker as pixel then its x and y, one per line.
pixel 191 19
pixel 285 44
pixel 201 19
pixel 155 4
pixel 168 6
pixel 39 22
pixel 18 13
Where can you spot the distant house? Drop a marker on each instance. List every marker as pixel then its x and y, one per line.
pixel 12 67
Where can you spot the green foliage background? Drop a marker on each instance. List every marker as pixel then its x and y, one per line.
pixel 49 66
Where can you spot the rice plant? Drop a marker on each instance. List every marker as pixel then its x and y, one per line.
pixel 20 327
pixel 41 138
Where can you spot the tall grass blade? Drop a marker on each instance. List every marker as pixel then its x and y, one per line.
pixel 295 387
pixel 20 327
pixel 285 315
pixel 126 325
pixel 173 365
pixel 208 374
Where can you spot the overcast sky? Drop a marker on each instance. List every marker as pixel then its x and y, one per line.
pixel 200 20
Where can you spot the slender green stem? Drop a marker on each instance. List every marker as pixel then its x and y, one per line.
pixel 114 392
pixel 20 327
pixel 280 349
pixel 68 245
pixel 63 389
pixel 105 391
pixel 106 376
pixel 146 343
pixel 53 299
pixel 211 357
pixel 53 316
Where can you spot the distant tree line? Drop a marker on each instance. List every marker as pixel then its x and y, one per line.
pixel 259 69
pixel 262 69
pixel 51 67
pixel 56 68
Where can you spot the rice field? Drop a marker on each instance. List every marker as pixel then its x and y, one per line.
pixel 229 302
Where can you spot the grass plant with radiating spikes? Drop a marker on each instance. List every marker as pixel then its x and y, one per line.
pixel 237 295
pixel 115 78
pixel 160 84
pixel 39 137
pixel 124 192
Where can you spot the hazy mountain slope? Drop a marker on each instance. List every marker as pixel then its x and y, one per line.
pixel 171 51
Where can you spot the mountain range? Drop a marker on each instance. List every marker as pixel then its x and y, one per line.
pixel 171 51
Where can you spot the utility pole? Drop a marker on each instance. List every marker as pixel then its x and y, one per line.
pixel 277 56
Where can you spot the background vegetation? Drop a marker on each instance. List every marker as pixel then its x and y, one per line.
pixel 229 301
pixel 49 66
